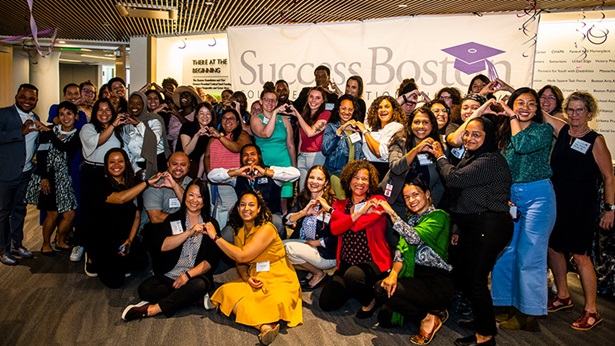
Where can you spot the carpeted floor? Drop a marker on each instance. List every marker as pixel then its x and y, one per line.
pixel 50 301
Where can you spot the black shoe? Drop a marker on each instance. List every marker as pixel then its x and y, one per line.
pixel 137 311
pixel 8 259
pixel 362 314
pixel 48 253
pixel 470 340
pixel 21 252
pixel 384 318
pixel 467 324
pixel 308 287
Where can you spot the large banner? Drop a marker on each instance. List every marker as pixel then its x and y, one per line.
pixel 436 51
pixel 579 54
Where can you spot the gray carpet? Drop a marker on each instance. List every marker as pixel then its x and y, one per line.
pixel 50 301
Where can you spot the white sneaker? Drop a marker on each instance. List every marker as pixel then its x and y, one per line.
pixel 76 254
pixel 207 304
pixel 87 268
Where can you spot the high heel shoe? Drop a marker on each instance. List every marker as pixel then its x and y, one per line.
pixel 519 321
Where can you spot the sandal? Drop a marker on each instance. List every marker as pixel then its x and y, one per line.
pixel 424 338
pixel 556 304
pixel 582 323
pixel 268 334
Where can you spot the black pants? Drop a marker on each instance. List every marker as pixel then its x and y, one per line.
pixel 350 282
pixel 112 267
pixel 159 289
pixel 431 289
pixel 483 236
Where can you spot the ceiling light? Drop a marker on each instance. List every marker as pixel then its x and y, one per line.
pixel 403 5
pixel 96 57
pixel 146 11
pixel 69 60
pixel 61 42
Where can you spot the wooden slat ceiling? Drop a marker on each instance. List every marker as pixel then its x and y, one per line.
pixel 99 20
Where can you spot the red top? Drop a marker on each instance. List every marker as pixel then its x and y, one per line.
pixel 313 144
pixel 374 226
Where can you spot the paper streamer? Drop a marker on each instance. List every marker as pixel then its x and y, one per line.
pixel 533 13
pixel 34 30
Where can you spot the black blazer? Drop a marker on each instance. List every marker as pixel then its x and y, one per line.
pixel 12 144
pixel 323 231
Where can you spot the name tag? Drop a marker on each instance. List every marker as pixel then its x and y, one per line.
pixel 424 159
pixel 388 190
pixel 324 217
pixel 355 137
pixel 458 152
pixel 261 181
pixel 176 227
pixel 329 106
pixel 44 147
pixel 262 266
pixel 174 203
pixel 265 120
pixel 580 146
pixel 358 206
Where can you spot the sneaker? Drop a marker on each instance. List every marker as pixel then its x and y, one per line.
pixel 88 268
pixel 207 304
pixel 8 259
pixel 136 311
pixel 21 252
pixel 77 253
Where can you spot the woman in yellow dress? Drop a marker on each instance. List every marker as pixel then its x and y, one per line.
pixel 267 290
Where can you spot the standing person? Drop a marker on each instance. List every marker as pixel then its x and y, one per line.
pixel 580 161
pixel 87 90
pixel 551 99
pixel 104 93
pixel 185 100
pixel 312 122
pixel 420 281
pixel 342 141
pixel 51 187
pixel 384 119
pixel 19 130
pixel 480 187
pixel 156 105
pixel 322 78
pixel 72 95
pixel 456 127
pixel 518 278
pixel 273 131
pixel 194 136
pixel 354 88
pixel 363 255
pixel 267 290
pixel 117 87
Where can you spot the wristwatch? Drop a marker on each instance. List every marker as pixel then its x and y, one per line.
pixel 609 207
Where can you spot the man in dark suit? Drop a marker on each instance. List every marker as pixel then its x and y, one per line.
pixel 19 129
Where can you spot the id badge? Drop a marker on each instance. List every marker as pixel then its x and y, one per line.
pixel 580 146
pixel 261 181
pixel 174 203
pixel 424 159
pixel 355 137
pixel 357 207
pixel 265 120
pixel 329 106
pixel 324 217
pixel 45 146
pixel 262 266
pixel 388 190
pixel 176 227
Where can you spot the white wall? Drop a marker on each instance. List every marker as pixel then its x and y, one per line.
pixel 138 66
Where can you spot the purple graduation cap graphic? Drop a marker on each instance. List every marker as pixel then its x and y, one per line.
pixel 471 58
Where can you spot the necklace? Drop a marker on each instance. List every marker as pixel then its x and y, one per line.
pixel 579 135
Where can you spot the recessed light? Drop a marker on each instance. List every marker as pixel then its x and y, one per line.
pixel 403 5
pixel 61 42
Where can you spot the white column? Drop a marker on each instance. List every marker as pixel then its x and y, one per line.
pixel 45 75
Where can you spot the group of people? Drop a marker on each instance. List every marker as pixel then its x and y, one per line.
pixel 398 205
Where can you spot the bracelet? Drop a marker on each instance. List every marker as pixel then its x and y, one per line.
pixel 216 238
pixel 146 183
pixel 188 275
pixel 331 210
pixel 365 131
pixel 513 117
pixel 113 125
pixel 265 172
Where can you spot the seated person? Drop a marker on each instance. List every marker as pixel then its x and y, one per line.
pixel 184 272
pixel 254 175
pixel 160 203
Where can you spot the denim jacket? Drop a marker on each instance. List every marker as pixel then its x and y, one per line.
pixel 336 149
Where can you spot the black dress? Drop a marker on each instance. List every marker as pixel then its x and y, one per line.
pixel 575 181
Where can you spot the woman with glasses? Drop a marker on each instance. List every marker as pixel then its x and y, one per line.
pixel 551 98
pixel 273 131
pixel 518 278
pixel 580 161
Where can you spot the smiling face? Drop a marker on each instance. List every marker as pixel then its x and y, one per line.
pixel 474 136
pixel 248 208
pixel 153 101
pixel 67 119
pixel 525 107
pixel 346 111
pixel 352 88
pixel 548 101
pixel 249 156
pixel 269 101
pixel 185 99
pixel 385 112
pixel 72 94
pixel 416 200
pixel 446 98
pixel 421 126
pixel 118 89
pixel 178 165
pixel 104 113
pixel 281 89
pixel 359 184
pixel 441 114
pixel 194 199
pixel 256 108
pixel 116 165
pixel 135 105
pixel 468 107
pixel 26 99
pixel 578 115
pixel 478 85
pixel 322 78
pixel 229 122
pixel 204 116
pixel 316 181
pixel 315 100
pixel 88 92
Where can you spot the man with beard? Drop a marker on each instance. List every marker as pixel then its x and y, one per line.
pixel 19 130
pixel 254 175
pixel 321 77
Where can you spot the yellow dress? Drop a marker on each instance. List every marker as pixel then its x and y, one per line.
pixel 278 299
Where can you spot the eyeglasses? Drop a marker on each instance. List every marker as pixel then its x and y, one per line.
pixel 439 110
pixel 550 98
pixel 269 100
pixel 87 91
pixel 228 120
pixel 530 105
pixel 577 111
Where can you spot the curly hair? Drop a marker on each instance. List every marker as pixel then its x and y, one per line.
pixel 372 113
pixel 128 174
pixel 264 214
pixel 351 169
pixel 454 92
pixel 588 100
pixel 328 194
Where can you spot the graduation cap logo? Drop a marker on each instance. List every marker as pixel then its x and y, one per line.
pixel 472 57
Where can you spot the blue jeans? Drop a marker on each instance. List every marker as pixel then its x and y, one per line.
pixel 519 276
